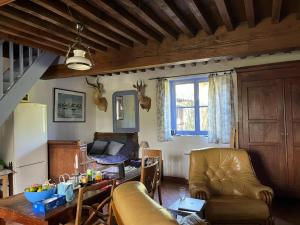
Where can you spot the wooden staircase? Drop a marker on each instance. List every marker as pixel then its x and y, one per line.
pixel 20 68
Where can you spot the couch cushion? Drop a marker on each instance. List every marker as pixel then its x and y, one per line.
pixel 113 148
pixel 128 149
pixel 109 159
pixel 234 208
pixel 98 147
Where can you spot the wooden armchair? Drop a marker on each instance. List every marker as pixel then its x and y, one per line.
pixel 155 153
pixel 149 177
pixel 94 213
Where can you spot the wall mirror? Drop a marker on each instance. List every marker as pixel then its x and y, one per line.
pixel 125 112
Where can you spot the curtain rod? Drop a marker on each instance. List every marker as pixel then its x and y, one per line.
pixel 220 71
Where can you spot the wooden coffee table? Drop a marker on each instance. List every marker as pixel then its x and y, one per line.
pixel 198 207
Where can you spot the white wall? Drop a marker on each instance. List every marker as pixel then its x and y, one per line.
pixel 42 92
pixel 175 160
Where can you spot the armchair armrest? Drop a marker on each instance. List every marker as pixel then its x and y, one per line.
pixel 199 191
pixel 260 191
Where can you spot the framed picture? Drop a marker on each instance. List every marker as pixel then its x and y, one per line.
pixel 69 106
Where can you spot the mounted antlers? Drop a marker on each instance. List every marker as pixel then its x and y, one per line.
pixel 100 101
pixel 145 101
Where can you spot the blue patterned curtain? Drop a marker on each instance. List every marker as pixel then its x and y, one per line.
pixel 163 110
pixel 221 118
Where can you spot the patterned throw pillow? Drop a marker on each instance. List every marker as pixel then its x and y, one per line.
pixel 113 148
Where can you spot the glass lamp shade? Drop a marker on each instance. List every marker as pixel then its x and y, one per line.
pixel 78 61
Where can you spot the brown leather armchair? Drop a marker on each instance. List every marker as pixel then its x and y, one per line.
pixel 226 179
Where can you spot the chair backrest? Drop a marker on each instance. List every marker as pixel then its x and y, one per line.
pixel 153 153
pixel 149 177
pixel 222 170
pixel 95 213
pixel 132 206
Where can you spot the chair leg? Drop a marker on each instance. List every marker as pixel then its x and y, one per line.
pixel 270 221
pixel 159 194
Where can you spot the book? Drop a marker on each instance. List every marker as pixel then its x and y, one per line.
pixel 191 204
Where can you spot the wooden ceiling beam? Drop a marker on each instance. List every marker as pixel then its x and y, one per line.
pixel 222 8
pixel 47 26
pixel 44 14
pixel 106 20
pixel 116 11
pixel 11 31
pixel 197 12
pixel 148 15
pixel 61 9
pixel 264 37
pixel 5 2
pixel 276 10
pixel 250 14
pixel 32 31
pixel 25 42
pixel 176 16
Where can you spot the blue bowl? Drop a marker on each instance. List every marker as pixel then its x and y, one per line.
pixel 39 196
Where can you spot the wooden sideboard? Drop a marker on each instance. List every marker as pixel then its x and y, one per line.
pixel 61 156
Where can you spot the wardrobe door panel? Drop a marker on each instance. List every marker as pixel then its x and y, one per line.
pixel 263 129
pixel 292 96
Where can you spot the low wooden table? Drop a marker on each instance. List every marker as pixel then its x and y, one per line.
pixel 199 205
pixel 17 209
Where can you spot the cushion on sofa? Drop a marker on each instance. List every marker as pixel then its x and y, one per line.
pixel 128 148
pixel 109 159
pixel 222 208
pixel 113 148
pixel 98 147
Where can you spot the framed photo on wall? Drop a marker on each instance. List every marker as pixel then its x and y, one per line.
pixel 69 106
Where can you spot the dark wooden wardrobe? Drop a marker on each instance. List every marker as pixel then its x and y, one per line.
pixel 269 123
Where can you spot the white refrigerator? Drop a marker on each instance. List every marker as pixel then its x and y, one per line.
pixel 26 134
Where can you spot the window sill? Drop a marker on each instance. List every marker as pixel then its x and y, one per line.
pixel 190 135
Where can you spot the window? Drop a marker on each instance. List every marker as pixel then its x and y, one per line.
pixel 189 101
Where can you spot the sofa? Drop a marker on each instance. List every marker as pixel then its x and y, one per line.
pixel 226 179
pixel 131 205
pixel 113 148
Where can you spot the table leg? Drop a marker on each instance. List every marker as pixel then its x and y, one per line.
pixel 2 221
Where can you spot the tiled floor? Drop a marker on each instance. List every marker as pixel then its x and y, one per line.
pixel 285 212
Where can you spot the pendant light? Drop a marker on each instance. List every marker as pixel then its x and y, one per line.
pixel 78 56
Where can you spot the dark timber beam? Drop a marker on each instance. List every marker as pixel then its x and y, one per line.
pixel 148 15
pixel 5 2
pixel 264 37
pixel 22 41
pixel 276 10
pixel 32 31
pixel 14 32
pixel 61 9
pixel 44 14
pixel 103 19
pixel 175 15
pixel 125 17
pixel 222 8
pixel 46 26
pixel 249 9
pixel 199 16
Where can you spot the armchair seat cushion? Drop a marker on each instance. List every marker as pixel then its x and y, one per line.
pixel 232 208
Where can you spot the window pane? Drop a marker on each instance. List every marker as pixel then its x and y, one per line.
pixel 203 93
pixel 184 94
pixel 203 118
pixel 185 119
